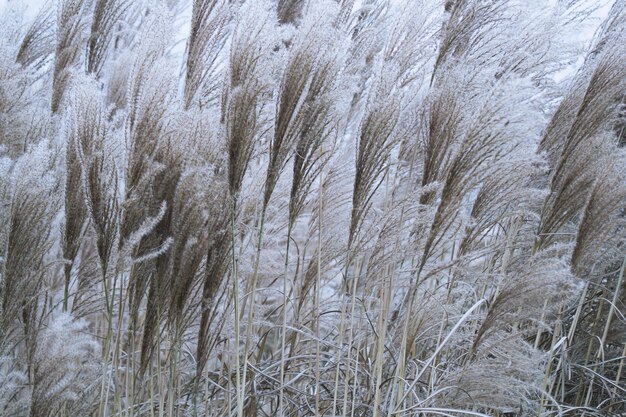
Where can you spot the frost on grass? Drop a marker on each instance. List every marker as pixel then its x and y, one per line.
pixel 294 208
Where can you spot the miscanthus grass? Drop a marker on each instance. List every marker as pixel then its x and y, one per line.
pixel 312 208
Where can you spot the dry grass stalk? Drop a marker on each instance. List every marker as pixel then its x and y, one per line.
pixel 32 209
pixel 345 11
pixel 38 42
pixel 147 123
pixel 25 252
pixel 70 21
pixel 155 246
pixel 217 262
pixel 189 246
pixel 206 41
pixel 597 107
pixel 106 15
pixel 468 32
pixel 98 177
pixel 481 145
pixel 241 105
pixel 289 11
pixel 290 112
pixel 440 131
pixel 455 280
pixel 598 221
pixel 572 180
pixel 568 110
pixel 75 210
pixel 59 386
pixel 242 102
pixel 317 129
pixel 376 139
pixel 317 126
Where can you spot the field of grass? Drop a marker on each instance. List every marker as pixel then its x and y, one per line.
pixel 312 208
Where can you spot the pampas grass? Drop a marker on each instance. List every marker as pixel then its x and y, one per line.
pixel 292 208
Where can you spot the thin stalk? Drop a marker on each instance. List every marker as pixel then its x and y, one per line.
pixel 250 294
pixel 131 373
pixel 607 327
pixel 618 377
pixel 107 340
pixel 66 289
pixel 399 374
pixel 432 376
pixel 350 340
pixel 238 377
pixel 572 330
pixel 380 343
pixel 160 378
pixel 344 305
pixel 230 394
pixel 356 374
pixel 152 393
pixel 609 318
pixel 318 280
pixel 382 324
pixel 581 391
pixel 118 336
pixel 428 363
pixel 284 326
pixel 539 329
pixel 555 336
pixel 174 355
pixel 206 389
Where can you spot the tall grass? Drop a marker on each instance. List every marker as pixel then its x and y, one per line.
pixel 294 208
